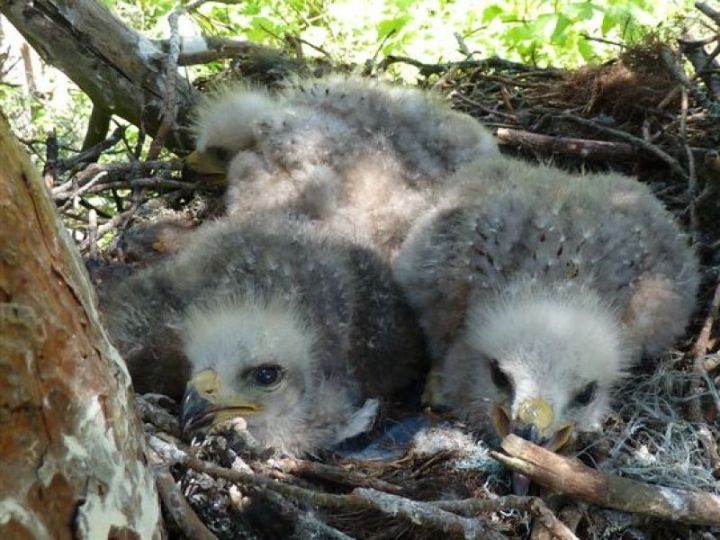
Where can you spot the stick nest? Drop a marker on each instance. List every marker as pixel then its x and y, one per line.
pixel 663 124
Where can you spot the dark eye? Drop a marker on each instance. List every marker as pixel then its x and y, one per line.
pixel 267 375
pixel 586 395
pixel 219 153
pixel 498 376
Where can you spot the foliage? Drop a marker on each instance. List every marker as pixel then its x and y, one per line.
pixel 543 32
pixel 557 32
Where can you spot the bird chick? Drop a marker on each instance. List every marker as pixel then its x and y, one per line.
pixel 258 360
pixel 361 157
pixel 269 320
pixel 537 289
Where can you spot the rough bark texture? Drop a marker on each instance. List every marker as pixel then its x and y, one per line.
pixel 585 148
pixel 121 70
pixel 72 462
pixel 571 477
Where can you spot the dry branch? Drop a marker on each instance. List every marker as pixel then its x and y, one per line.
pixel 180 511
pixel 571 477
pixel 534 505
pixel 215 48
pixel 709 11
pixel 698 352
pixel 417 512
pixel 336 474
pixel 118 68
pixel 632 139
pixel 585 148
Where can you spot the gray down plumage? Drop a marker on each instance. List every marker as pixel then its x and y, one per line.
pixel 361 158
pixel 271 291
pixel 535 284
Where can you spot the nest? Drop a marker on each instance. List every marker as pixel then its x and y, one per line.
pixel 642 115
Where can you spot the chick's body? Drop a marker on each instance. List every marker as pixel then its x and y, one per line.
pixel 246 303
pixel 537 286
pixel 361 158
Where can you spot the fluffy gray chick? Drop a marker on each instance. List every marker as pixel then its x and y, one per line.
pixel 537 289
pixel 272 322
pixel 361 157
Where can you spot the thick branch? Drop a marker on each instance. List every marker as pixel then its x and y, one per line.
pixel 586 148
pixel 571 477
pixel 119 69
pixel 72 450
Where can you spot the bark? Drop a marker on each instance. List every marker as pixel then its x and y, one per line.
pixel 118 68
pixel 571 477
pixel 73 462
pixel 585 148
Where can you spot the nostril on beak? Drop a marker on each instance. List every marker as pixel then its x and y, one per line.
pixel 529 432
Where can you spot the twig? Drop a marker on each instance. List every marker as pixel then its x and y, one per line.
pixel 679 75
pixel 89 206
pixel 169 107
pixel 692 173
pixel 708 11
pixel 704 63
pixel 92 153
pixel 586 148
pixel 157 416
pixel 93 233
pixel 603 40
pixel 192 6
pixel 307 526
pixel 638 141
pixel 698 351
pixel 177 506
pixel 112 170
pixel 220 48
pixel 419 513
pixel 422 513
pixel 571 477
pixel 336 474
pixel 155 183
pixel 534 505
pixel 114 223
pixel 50 170
pixel 435 69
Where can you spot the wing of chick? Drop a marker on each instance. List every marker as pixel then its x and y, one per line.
pixel 142 313
pixel 362 157
pixel 508 220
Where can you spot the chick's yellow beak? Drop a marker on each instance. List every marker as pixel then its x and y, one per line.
pixel 208 402
pixel 534 421
pixel 204 163
pixel 204 166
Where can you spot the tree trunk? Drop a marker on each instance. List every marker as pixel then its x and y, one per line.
pixel 72 459
pixel 122 71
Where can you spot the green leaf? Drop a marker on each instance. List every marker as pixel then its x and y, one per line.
pixel 491 12
pixel 391 26
pixel 562 24
pixel 518 34
pixel 586 50
pixel 581 11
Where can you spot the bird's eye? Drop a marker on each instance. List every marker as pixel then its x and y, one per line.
pixel 499 378
pixel 219 153
pixel 586 395
pixel 266 375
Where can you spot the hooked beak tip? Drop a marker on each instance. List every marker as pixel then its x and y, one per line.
pixel 520 484
pixel 195 412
